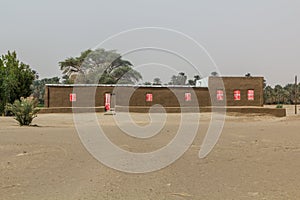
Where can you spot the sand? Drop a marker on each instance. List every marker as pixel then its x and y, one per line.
pixel 256 157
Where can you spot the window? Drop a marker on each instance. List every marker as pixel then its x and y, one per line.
pixel 250 95
pixel 220 95
pixel 72 97
pixel 149 97
pixel 187 96
pixel 237 95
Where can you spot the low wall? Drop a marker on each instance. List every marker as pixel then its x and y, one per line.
pixel 277 112
pixel 70 110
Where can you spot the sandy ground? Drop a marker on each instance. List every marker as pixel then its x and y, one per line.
pixel 256 157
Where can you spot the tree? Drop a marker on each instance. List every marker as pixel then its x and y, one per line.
pixel 157 81
pixel 290 93
pixel 68 80
pixel 180 79
pixel 214 74
pixel 15 79
pixel 147 83
pixel 269 95
pixel 74 64
pixel 106 67
pixel 38 87
pixel 279 92
pixel 280 95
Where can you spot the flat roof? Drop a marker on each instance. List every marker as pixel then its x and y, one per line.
pixel 153 86
pixel 118 85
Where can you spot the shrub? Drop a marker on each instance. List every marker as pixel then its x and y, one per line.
pixel 279 106
pixel 24 110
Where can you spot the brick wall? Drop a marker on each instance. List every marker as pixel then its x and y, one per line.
pixel 59 96
pixel 243 84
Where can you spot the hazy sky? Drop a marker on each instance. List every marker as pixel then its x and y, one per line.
pixel 259 36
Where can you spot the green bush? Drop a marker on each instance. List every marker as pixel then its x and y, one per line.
pixel 24 111
pixel 279 106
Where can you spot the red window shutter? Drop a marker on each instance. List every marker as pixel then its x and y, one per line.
pixel 187 96
pixel 220 95
pixel 149 97
pixel 72 97
pixel 250 94
pixel 237 95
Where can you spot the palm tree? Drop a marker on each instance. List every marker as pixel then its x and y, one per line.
pixel 106 67
pixel 290 93
pixel 269 95
pixel 74 64
pixel 279 92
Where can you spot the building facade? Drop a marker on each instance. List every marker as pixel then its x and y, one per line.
pixel 221 91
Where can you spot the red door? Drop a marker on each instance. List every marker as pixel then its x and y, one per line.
pixel 107 98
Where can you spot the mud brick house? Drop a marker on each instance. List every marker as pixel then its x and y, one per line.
pixel 220 91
